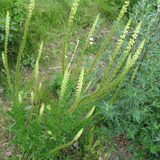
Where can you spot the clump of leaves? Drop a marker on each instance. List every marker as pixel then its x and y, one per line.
pixel 137 110
pixel 19 12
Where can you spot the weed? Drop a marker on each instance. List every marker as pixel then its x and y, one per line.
pixel 41 129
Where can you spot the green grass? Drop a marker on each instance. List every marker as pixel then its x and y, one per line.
pixel 48 23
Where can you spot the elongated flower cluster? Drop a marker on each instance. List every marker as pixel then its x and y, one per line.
pixel 78 91
pixel 37 71
pixel 85 46
pixel 31 6
pixel 123 36
pixel 80 83
pixel 20 98
pixel 63 88
pixel 70 21
pixel 126 3
pixel 136 55
pixel 7 33
pixel 4 54
pixel 134 36
pixel 41 111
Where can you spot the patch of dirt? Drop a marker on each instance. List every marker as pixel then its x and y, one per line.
pixel 5 150
pixel 120 143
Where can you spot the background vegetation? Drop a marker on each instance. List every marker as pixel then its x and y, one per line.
pixel 135 111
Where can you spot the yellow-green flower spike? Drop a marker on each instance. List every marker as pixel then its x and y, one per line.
pixel 36 81
pixel 63 88
pixel 32 97
pixel 31 6
pixel 4 54
pixel 136 55
pixel 127 67
pixel 133 75
pixel 48 107
pixel 70 21
pixel 40 51
pixel 37 72
pixel 20 98
pixel 40 86
pixel 101 90
pixel 78 91
pixel 80 83
pixel 78 135
pixel 3 59
pixel 41 111
pixel 50 133
pixel 7 32
pixel 85 46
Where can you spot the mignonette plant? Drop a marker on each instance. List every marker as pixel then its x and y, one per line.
pixel 42 129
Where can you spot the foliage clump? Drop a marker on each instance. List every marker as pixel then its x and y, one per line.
pixel 135 113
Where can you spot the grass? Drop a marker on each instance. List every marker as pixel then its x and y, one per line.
pixel 49 23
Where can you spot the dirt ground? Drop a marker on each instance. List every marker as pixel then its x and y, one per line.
pixel 120 153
